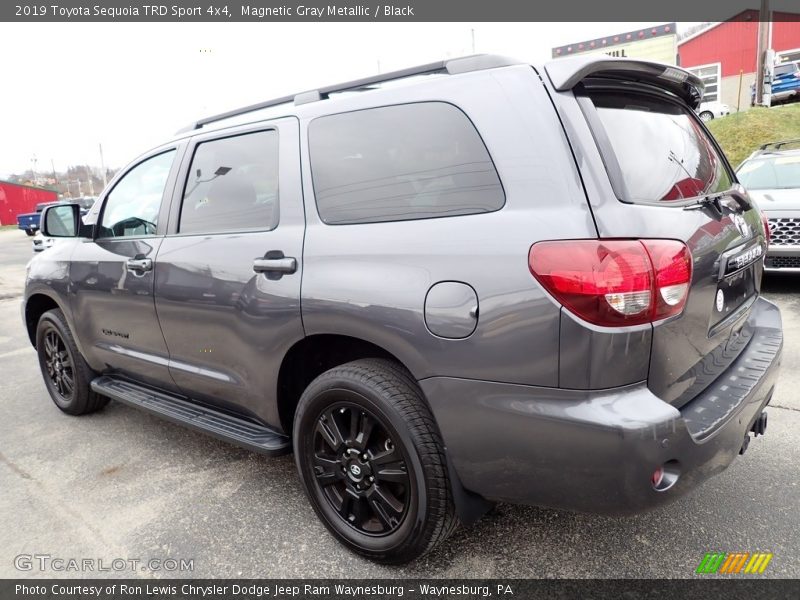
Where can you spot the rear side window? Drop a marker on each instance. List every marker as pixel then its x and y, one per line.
pixel 232 185
pixel 662 152
pixel 397 163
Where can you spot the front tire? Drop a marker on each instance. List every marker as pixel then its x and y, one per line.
pixel 372 461
pixel 65 372
pixel 30 232
pixel 706 116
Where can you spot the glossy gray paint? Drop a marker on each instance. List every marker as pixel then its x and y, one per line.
pixel 113 305
pixel 518 328
pixel 534 405
pixel 593 450
pixel 685 350
pixel 451 309
pixel 226 326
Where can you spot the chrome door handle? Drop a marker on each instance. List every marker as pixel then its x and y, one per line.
pixel 274 264
pixel 277 265
pixel 140 264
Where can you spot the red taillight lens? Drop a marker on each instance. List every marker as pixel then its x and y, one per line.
pixel 767 232
pixel 615 282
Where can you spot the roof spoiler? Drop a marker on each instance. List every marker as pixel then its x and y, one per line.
pixel 566 73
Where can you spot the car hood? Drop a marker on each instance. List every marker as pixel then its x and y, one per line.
pixel 779 199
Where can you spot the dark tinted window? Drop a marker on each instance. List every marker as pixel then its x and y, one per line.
pixel 395 163
pixel 232 185
pixel 661 149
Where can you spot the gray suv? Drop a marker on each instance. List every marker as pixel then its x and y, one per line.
pixel 467 282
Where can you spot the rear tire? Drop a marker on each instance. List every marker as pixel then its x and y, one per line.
pixel 372 461
pixel 66 374
pixel 30 232
pixel 706 116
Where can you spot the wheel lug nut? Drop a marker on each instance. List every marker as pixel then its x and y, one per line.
pixel 363 457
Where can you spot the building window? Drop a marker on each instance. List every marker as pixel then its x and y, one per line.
pixel 710 75
pixel 788 56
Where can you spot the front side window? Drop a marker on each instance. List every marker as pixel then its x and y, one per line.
pixel 232 185
pixel 661 149
pixel 398 163
pixel 131 208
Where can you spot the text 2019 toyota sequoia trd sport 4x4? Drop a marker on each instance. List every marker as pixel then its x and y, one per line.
pixel 467 282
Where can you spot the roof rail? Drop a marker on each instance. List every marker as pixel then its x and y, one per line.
pixel 452 66
pixel 779 145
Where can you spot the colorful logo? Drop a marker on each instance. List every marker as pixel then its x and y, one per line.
pixel 726 563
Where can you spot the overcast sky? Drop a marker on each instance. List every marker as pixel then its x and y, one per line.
pixel 68 87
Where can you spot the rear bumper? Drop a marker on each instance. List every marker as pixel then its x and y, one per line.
pixel 595 451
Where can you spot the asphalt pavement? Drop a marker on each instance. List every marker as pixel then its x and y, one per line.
pixel 121 484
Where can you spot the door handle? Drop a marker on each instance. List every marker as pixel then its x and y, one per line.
pixel 140 264
pixel 274 264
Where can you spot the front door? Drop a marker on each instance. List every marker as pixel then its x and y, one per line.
pixel 228 277
pixel 113 274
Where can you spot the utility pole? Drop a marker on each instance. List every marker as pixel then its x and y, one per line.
pixel 55 177
pixel 763 34
pixel 103 166
pixel 34 160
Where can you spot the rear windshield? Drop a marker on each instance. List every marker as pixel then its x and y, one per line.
pixel 662 152
pixel 770 173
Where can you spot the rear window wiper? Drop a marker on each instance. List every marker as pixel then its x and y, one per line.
pixel 715 201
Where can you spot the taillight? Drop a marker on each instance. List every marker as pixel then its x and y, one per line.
pixel 615 282
pixel 767 232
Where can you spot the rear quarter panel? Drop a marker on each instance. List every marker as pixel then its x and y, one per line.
pixel 370 280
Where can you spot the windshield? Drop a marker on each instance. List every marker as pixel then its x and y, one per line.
pixel 770 173
pixel 662 151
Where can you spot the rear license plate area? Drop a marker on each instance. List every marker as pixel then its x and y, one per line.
pixel 733 291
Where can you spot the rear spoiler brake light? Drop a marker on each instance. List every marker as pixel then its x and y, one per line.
pixel 566 73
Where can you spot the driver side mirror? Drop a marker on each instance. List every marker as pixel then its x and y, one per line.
pixel 61 220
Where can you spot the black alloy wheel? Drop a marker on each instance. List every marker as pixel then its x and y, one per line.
pixel 59 364
pixel 372 461
pixel 359 470
pixel 66 374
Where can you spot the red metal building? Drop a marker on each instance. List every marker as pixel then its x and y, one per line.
pixel 16 199
pixel 724 55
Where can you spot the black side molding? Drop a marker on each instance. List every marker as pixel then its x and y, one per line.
pixel 184 411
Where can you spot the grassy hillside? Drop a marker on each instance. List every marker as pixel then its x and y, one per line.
pixel 741 133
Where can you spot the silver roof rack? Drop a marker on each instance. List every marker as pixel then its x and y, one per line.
pixel 452 66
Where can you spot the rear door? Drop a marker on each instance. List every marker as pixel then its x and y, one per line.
pixel 228 278
pixel 669 179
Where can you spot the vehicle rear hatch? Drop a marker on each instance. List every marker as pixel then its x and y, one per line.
pixel 669 180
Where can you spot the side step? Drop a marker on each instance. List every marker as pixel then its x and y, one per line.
pixel 183 411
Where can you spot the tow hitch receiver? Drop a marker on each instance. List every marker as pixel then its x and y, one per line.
pixel 760 426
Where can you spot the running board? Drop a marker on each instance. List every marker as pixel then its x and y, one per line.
pixel 183 411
